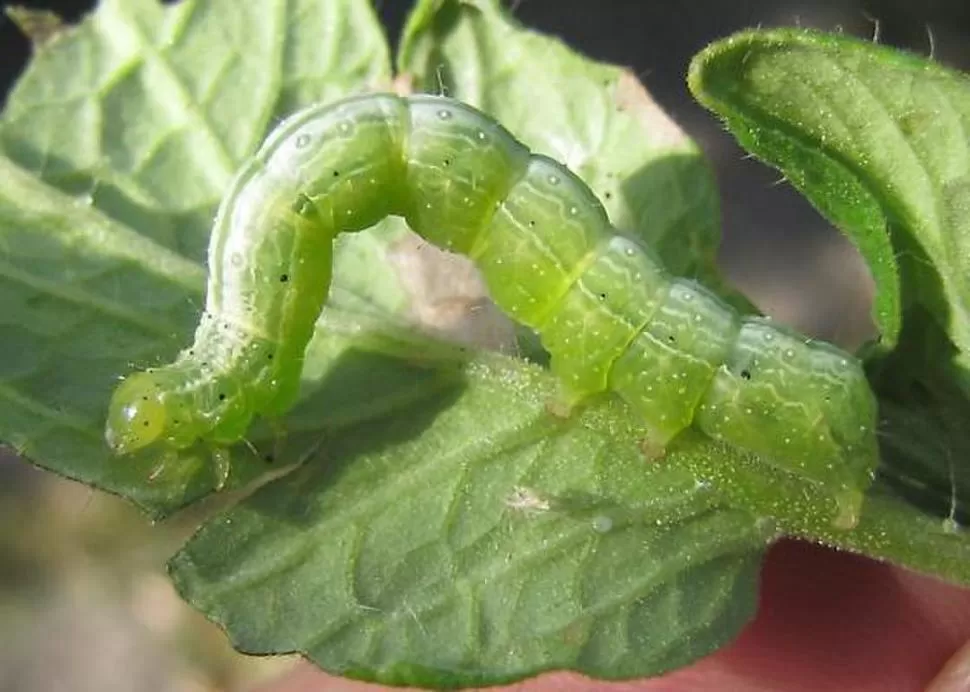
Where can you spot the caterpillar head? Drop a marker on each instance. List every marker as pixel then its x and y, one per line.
pixel 137 416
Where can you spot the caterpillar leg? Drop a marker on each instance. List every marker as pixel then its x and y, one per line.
pixel 564 403
pixel 559 406
pixel 653 447
pixel 168 457
pixel 848 507
pixel 279 438
pixel 222 461
pixel 312 450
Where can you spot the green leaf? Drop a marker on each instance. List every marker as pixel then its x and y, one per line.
pixel 893 525
pixel 876 139
pixel 80 297
pixel 492 543
pixel 140 115
pixel 442 527
pixel 879 141
pixel 95 280
pixel 149 110
pixel 40 26
pixel 594 117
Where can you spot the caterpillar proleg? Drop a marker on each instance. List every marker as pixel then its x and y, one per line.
pixel 610 315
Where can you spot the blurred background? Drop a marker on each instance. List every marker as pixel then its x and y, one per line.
pixel 84 602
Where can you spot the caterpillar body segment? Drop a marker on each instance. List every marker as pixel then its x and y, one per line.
pixel 687 338
pixel 603 305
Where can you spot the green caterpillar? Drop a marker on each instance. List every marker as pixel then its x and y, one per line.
pixel 605 308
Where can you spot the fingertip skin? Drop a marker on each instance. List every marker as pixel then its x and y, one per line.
pixel 603 305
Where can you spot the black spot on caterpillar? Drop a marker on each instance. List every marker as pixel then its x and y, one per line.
pixel 610 315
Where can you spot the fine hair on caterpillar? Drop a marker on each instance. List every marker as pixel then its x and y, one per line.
pixel 603 305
